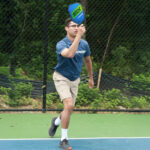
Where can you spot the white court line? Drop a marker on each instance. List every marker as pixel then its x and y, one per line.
pixel 96 138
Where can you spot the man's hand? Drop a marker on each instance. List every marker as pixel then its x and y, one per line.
pixel 81 30
pixel 91 83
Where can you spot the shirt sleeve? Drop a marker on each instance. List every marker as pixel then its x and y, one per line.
pixel 60 46
pixel 88 51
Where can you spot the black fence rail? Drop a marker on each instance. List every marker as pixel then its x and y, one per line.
pixel 37 86
pixel 108 82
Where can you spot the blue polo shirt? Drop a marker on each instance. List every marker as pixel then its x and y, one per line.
pixel 71 67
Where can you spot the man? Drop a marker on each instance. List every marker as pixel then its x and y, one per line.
pixel 70 54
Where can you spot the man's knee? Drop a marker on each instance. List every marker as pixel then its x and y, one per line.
pixel 68 104
pixel 70 107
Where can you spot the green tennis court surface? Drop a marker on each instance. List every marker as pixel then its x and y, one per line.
pixel 36 125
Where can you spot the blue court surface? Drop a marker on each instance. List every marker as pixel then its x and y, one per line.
pixel 77 144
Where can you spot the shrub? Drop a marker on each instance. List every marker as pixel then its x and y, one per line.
pixel 143 81
pixel 25 101
pixel 37 104
pixel 86 96
pixel 97 103
pixel 147 98
pixel 138 102
pixel 4 59
pixel 4 90
pixel 60 105
pixel 33 64
pixel 4 70
pixel 112 98
pixel 123 68
pixel 23 89
pixel 107 99
pixel 114 103
pixel 125 102
pixel 52 98
pixel 19 94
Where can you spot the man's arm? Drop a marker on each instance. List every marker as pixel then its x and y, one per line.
pixel 88 63
pixel 71 51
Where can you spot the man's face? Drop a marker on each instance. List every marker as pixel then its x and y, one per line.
pixel 72 29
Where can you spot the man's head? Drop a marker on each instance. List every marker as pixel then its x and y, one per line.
pixel 71 27
pixel 67 22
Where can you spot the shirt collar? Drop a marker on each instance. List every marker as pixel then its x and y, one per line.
pixel 68 41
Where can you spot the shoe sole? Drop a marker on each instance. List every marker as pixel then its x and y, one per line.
pixel 70 148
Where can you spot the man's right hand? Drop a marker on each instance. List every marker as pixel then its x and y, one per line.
pixel 81 30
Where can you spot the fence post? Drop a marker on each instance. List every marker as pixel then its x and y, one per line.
pixel 12 36
pixel 45 56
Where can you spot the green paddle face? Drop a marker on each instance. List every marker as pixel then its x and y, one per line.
pixel 77 11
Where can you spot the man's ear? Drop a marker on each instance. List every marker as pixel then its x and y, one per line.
pixel 66 28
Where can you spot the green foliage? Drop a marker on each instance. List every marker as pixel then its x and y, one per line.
pixel 60 106
pixel 18 95
pixel 147 99
pixel 23 33
pixel 141 77
pixel 94 99
pixel 23 89
pixel 19 73
pixel 111 98
pixel 35 105
pixel 128 51
pixel 140 59
pixel 53 101
pixel 126 103
pixel 95 67
pixel 86 96
pixel 4 59
pixel 28 24
pixel 34 70
pixel 97 103
pixel 52 98
pixel 25 101
pixel 4 71
pixel 33 64
pixel 119 64
pixel 4 91
pixel 143 81
pixel 139 102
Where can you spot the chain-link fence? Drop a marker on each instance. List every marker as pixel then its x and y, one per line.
pixel 118 35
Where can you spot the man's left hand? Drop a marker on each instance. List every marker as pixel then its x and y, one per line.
pixel 91 83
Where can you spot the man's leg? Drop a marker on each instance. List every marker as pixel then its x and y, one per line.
pixel 62 85
pixel 65 119
pixel 65 116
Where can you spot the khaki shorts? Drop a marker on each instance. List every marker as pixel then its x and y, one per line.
pixel 65 87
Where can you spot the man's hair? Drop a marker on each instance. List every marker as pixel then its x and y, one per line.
pixel 67 21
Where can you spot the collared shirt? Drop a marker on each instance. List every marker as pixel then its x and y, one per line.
pixel 71 67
